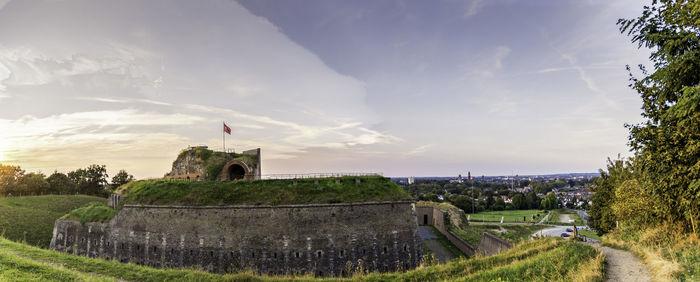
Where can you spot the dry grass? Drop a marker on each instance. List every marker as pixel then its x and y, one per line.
pixel 592 270
pixel 669 254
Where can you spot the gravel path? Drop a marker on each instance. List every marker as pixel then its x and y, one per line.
pixel 623 265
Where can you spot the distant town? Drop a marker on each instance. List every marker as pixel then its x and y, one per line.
pixel 480 193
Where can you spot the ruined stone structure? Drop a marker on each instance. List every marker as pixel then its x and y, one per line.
pixel 323 239
pixel 192 165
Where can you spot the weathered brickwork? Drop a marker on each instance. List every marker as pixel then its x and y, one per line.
pixel 326 239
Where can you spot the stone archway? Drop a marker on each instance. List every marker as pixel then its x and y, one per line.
pixel 235 170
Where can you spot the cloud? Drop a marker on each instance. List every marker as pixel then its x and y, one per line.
pixel 126 138
pixel 486 65
pixel 175 69
pixel 419 150
pixel 474 7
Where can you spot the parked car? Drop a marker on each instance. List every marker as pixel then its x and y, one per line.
pixel 565 235
pixel 569 230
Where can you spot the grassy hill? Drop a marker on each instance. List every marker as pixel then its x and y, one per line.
pixel 551 259
pixel 262 192
pixel 31 218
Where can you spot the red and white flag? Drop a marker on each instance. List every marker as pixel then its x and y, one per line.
pixel 227 129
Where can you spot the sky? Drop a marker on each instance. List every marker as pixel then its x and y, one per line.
pixel 402 88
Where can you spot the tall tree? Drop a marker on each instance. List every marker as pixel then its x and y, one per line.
pixel 9 178
pixel 92 180
pixel 59 183
pixel 121 178
pixel 33 184
pixel 668 142
pixel 601 215
pixel 519 201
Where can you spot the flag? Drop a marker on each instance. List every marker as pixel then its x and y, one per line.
pixel 227 129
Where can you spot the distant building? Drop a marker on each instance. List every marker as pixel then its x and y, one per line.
pixel 469 175
pixel 411 180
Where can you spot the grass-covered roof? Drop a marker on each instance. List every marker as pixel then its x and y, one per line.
pixel 263 192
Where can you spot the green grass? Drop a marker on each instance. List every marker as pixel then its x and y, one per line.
pixel 93 212
pixel 589 234
pixel 263 192
pixel 550 259
pixel 513 233
pixel 555 218
pixel 509 216
pixel 31 218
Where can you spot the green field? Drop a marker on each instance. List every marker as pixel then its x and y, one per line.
pixel 550 259
pixel 589 234
pixel 511 233
pixel 558 216
pixel 509 216
pixel 263 192
pixel 31 218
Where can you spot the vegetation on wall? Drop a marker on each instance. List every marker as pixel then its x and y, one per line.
pixel 263 192
pixel 213 162
pixel 92 212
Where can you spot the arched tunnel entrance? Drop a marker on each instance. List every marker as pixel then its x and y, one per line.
pixel 235 171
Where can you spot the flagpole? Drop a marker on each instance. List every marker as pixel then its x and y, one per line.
pixel 223 135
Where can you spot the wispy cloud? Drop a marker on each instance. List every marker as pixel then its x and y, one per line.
pixel 473 8
pixel 486 65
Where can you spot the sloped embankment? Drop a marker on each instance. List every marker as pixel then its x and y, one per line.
pixel 550 259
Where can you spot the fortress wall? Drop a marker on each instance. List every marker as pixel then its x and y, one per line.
pixel 435 217
pixel 326 239
pixel 491 245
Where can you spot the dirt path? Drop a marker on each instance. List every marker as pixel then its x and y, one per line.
pixel 623 265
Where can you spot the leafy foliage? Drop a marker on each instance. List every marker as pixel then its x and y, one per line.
pixel 668 142
pixel 601 215
pixel 9 179
pixel 121 178
pixel 633 204
pixel 91 180
pixel 59 183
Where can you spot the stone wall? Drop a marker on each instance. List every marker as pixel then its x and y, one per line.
pixel 326 239
pixel 428 215
pixel 491 245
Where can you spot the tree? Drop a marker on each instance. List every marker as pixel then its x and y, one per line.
pixel 59 183
pixel 33 184
pixel 121 178
pixel 9 178
pixel 489 202
pixel 600 215
pixel 91 180
pixel 499 205
pixel 519 201
pixel 532 201
pixel 668 142
pixel 633 204
pixel 550 201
